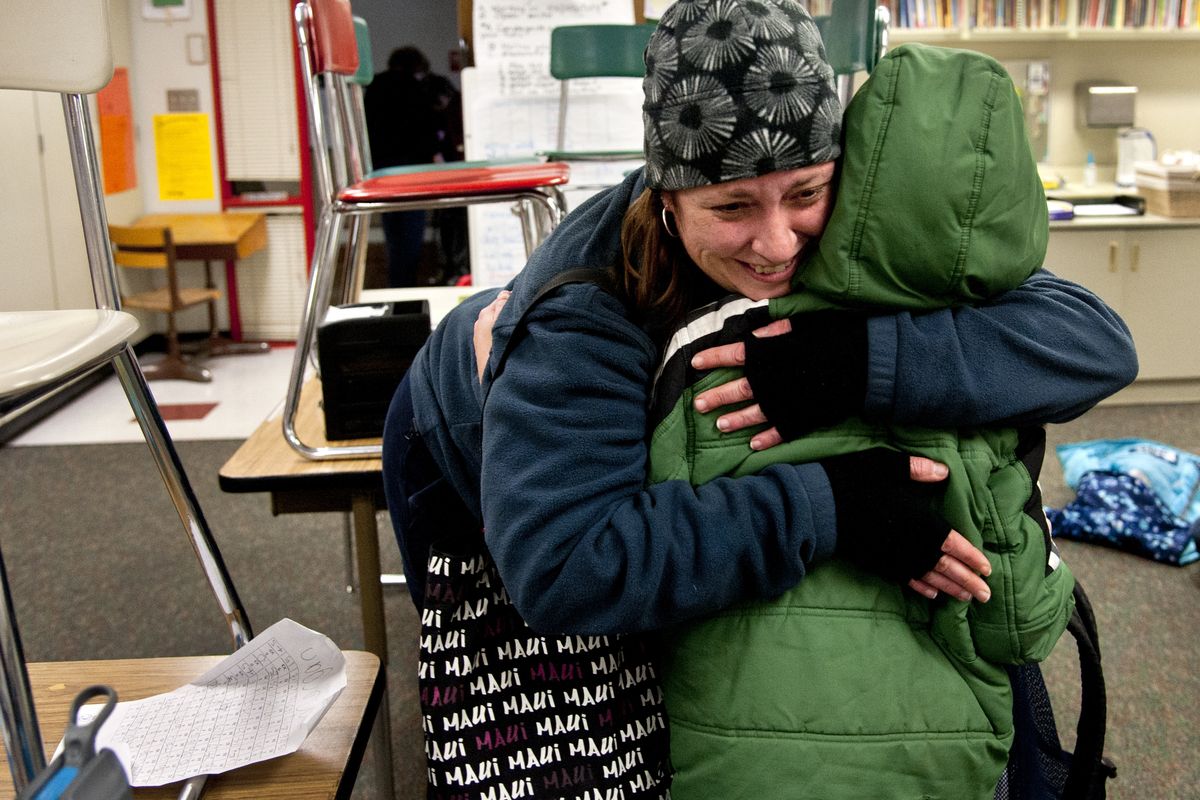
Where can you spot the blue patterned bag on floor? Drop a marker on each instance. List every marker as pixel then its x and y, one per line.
pixel 1138 495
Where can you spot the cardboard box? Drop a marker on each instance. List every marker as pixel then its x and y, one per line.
pixel 1169 191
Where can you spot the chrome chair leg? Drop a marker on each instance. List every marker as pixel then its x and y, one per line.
pixel 356 258
pixel 158 439
pixel 539 212
pixel 22 736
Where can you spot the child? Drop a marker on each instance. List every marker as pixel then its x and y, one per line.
pixel 848 686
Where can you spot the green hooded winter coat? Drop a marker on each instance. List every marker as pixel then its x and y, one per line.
pixel 848 686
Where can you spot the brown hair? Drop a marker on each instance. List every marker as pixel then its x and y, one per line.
pixel 658 279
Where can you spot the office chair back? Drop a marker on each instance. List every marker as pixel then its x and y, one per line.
pixel 334 43
pixel 595 51
pixel 63 46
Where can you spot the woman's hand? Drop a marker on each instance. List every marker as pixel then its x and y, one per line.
pixel 482 335
pixel 737 391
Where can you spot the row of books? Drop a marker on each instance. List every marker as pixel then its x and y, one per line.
pixel 1169 14
pixel 1042 14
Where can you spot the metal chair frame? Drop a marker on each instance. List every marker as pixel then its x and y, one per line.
pixel 348 194
pixel 36 65
pixel 594 51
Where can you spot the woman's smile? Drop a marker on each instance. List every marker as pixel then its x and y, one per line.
pixel 748 236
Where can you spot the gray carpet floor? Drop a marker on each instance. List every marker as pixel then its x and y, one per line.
pixel 100 569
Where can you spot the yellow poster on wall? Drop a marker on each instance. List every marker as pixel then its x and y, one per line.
pixel 183 154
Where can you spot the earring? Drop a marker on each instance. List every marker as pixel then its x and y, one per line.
pixel 674 234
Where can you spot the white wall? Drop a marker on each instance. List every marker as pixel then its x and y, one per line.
pixel 1168 102
pixel 159 62
pixel 41 235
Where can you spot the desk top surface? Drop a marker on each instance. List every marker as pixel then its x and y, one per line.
pixel 314 771
pixel 246 233
pixel 266 462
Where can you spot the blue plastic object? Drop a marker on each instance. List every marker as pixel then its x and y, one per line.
pixel 79 772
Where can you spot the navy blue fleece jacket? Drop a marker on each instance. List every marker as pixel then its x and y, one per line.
pixel 555 465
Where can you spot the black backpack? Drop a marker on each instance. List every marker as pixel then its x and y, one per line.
pixel 1038 767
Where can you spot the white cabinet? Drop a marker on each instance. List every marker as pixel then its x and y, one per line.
pixel 45 261
pixel 1151 277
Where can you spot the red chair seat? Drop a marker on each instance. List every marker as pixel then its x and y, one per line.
pixel 465 182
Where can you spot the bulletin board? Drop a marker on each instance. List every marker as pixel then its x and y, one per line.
pixel 510 110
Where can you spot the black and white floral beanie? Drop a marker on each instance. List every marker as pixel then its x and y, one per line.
pixel 736 89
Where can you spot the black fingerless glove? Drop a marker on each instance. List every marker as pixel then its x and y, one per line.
pixel 886 522
pixel 813 376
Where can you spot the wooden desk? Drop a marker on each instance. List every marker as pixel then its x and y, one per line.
pixel 324 767
pixel 227 236
pixel 267 463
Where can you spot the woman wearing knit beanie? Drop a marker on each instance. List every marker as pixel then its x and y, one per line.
pixel 543 442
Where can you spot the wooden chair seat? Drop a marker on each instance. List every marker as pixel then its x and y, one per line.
pixel 145 248
pixel 160 300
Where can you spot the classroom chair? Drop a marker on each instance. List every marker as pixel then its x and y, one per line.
pixel 855 33
pixel 356 250
pixel 153 249
pixel 63 46
pixel 594 51
pixel 325 36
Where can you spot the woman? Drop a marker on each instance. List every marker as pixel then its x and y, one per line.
pixel 554 464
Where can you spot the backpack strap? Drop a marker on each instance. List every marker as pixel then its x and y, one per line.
pixel 603 277
pixel 1089 768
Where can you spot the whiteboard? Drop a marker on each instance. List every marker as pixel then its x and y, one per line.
pixel 510 110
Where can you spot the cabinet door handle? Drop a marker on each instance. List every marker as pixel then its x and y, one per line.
pixel 1113 249
pixel 1133 257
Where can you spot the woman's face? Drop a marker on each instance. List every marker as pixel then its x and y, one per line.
pixel 747 235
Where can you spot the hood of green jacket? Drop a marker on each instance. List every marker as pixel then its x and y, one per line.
pixel 939 199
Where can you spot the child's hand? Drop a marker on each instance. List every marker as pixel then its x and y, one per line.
pixel 957 572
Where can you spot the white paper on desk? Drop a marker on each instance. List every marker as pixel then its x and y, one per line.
pixel 261 702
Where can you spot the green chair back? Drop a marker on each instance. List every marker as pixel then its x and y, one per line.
pixel 366 69
pixel 851 34
pixel 597 51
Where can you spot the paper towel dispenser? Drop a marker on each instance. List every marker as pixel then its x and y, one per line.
pixel 1105 104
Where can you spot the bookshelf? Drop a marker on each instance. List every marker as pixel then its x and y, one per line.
pixel 951 21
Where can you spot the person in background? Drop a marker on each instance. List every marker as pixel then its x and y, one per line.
pixel 413 117
pixel 553 465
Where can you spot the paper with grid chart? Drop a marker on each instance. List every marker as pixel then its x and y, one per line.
pixel 261 702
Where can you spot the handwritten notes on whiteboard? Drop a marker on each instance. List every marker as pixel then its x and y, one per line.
pixel 510 110
pixel 506 31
